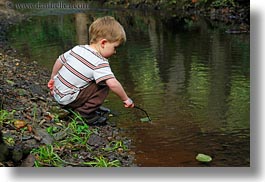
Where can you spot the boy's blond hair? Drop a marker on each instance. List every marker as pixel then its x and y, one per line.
pixel 106 28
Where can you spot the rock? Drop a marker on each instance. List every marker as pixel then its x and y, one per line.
pixel 96 140
pixel 44 136
pixel 4 151
pixel 36 89
pixel 29 161
pixel 17 154
pixel 61 134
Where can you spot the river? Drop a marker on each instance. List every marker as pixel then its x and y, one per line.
pixel 191 77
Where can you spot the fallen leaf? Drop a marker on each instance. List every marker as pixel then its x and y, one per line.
pixel 20 124
pixel 59 124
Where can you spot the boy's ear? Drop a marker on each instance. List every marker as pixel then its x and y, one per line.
pixel 103 42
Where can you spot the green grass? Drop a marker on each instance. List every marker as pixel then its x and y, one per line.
pixel 9 141
pixel 51 130
pixel 6 117
pixel 78 133
pixel 114 145
pixel 46 156
pixel 103 162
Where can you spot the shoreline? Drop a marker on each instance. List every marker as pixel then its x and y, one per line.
pixel 237 14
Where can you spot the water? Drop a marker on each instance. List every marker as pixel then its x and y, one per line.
pixel 188 74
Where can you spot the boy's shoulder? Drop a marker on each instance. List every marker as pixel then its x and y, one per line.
pixel 88 53
pixel 80 48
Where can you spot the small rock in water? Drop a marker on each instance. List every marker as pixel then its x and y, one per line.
pixel 203 158
pixel 146 119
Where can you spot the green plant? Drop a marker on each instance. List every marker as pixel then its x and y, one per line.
pixel 9 141
pixel 56 118
pixel 77 116
pixel 24 129
pixel 78 125
pixel 46 156
pixel 78 128
pixel 51 130
pixel 103 162
pixel 223 3
pixel 114 145
pixel 172 2
pixel 80 131
pixel 6 116
pixel 78 139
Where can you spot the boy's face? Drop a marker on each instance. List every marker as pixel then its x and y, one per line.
pixel 108 48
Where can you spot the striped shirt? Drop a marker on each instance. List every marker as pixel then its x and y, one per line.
pixel 81 66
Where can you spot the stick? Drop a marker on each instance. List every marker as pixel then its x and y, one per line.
pixel 143 111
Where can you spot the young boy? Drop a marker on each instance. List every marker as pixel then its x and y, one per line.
pixel 82 77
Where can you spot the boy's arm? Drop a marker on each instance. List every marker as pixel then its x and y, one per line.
pixel 117 88
pixel 56 67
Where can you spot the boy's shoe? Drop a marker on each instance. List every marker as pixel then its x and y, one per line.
pixel 100 117
pixel 103 111
pixel 96 120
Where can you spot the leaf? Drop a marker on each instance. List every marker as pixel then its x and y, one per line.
pixel 146 119
pixel 203 158
pixel 19 124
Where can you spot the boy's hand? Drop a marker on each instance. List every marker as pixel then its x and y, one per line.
pixel 51 85
pixel 128 103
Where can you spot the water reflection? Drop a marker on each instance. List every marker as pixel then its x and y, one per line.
pixel 188 78
pixel 81 26
pixel 192 78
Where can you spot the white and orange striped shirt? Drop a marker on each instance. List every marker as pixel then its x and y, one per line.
pixel 81 66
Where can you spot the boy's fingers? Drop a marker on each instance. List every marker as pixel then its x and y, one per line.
pixel 50 84
pixel 128 103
